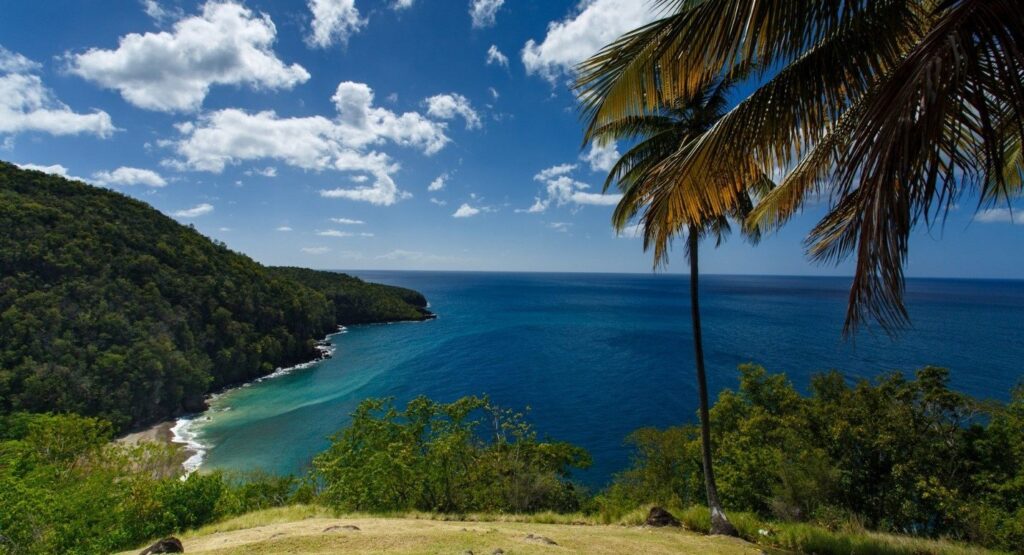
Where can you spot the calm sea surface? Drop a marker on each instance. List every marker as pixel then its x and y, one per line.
pixel 596 356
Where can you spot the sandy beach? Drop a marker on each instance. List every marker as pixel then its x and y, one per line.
pixel 160 433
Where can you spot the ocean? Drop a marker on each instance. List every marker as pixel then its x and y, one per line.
pixel 596 356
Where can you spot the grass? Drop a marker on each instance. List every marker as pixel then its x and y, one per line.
pixel 300 529
pixel 305 530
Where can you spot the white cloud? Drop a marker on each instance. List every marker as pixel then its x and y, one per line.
pixel 230 136
pixel 401 4
pixel 316 250
pixel 334 21
pixel 195 211
pixel 438 183
pixel 269 171
pixel 130 176
pixel 284 228
pixel 554 171
pixel 635 231
pixel 593 25
pixel 562 227
pixel 602 158
pixel 160 14
pixel 484 12
pixel 1000 215
pixel 55 169
pixel 447 106
pixel 495 56
pixel 333 233
pixel 227 44
pixel 466 211
pixel 561 189
pixel 438 202
pixel 12 62
pixel 347 221
pixel 494 92
pixel 27 105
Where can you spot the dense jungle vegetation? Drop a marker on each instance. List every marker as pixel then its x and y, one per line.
pixel 816 473
pixel 108 308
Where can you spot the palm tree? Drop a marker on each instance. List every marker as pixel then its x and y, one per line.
pixel 892 109
pixel 661 207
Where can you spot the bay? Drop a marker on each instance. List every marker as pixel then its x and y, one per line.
pixel 596 356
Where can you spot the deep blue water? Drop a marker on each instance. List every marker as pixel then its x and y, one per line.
pixel 596 356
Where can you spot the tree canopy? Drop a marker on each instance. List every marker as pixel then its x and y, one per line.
pixel 109 308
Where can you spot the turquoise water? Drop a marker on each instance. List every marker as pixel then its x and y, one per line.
pixel 596 356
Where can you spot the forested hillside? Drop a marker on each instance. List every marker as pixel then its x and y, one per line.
pixel 109 308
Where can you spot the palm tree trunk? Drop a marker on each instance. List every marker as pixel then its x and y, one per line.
pixel 719 522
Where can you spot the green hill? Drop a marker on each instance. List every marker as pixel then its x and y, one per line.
pixel 109 308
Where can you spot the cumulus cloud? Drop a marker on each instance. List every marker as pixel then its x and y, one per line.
pixel 159 13
pixel 561 189
pixel 495 56
pixel 227 44
pixel 438 202
pixel 54 169
pixel 593 25
pixel 347 221
pixel 401 4
pixel 554 171
pixel 466 211
pixel 12 62
pixel 230 136
pixel 561 227
pixel 447 106
pixel 130 176
pixel 27 105
pixel 284 229
pixel 602 158
pixel 334 21
pixel 1000 215
pixel 484 12
pixel 438 183
pixel 195 211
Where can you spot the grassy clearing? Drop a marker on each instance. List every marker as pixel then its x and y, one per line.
pixel 307 530
pixel 300 529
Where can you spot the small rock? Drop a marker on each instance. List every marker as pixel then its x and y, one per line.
pixel 540 539
pixel 660 517
pixel 467 552
pixel 345 527
pixel 498 551
pixel 166 545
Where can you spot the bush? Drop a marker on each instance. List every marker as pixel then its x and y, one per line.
pixel 893 455
pixel 445 458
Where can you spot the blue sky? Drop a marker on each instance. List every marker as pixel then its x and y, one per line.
pixel 311 132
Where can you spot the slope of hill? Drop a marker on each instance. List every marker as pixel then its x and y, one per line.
pixel 109 308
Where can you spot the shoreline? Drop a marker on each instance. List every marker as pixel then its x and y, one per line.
pixel 177 431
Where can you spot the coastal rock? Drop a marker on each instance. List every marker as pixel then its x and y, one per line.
pixel 659 517
pixel 166 545
pixel 540 539
pixel 194 403
pixel 339 528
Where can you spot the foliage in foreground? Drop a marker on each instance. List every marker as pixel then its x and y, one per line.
pixel 821 473
pixel 65 488
pixel 897 455
pixel 460 457
pixel 108 308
